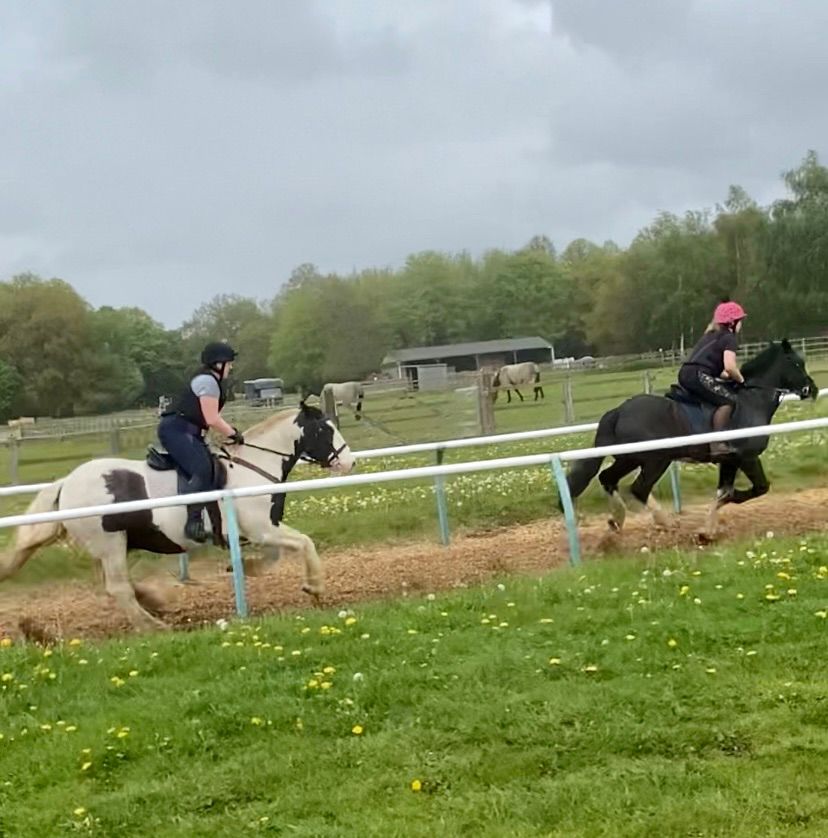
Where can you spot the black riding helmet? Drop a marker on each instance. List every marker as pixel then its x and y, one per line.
pixel 217 352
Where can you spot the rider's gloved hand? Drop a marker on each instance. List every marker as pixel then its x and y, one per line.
pixel 237 438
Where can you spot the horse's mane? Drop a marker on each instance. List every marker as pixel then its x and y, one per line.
pixel 760 363
pixel 283 416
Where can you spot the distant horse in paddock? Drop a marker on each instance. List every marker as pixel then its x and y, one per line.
pixel 512 375
pixel 269 452
pixel 349 393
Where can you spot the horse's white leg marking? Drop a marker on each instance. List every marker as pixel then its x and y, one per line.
pixel 660 517
pixel 711 526
pixel 284 536
pixel 618 511
pixel 110 550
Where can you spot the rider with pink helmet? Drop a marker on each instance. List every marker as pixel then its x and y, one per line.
pixel 712 358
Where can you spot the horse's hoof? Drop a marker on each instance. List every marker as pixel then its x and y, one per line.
pixel 315 591
pixel 704 538
pixel 613 525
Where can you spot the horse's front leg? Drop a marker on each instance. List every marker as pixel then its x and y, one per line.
pixel 755 472
pixel 725 493
pixel 520 395
pixel 284 536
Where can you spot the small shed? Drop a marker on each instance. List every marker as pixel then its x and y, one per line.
pixel 264 390
pixel 431 376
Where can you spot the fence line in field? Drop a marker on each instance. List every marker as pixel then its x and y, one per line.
pixel 555 461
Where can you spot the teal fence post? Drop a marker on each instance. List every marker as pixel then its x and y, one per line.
pixel 235 555
pixel 675 483
pixel 568 508
pixel 442 505
pixel 184 567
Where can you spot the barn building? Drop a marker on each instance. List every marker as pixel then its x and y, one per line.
pixel 463 357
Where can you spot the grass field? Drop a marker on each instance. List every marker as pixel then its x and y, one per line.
pixel 682 695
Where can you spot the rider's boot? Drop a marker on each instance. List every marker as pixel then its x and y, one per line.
pixel 194 528
pixel 721 418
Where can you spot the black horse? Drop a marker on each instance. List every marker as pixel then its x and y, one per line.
pixel 777 370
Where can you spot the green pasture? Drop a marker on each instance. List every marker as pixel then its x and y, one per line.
pixel 681 695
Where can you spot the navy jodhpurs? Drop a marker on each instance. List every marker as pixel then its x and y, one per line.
pixel 186 446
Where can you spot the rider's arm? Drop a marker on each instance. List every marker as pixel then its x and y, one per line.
pixel 210 411
pixel 731 367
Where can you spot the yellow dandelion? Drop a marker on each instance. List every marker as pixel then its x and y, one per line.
pixel 412 631
pixel 46 727
pixel 416 785
pixel 554 661
pixel 326 685
pixel 5 642
pixel 296 653
pixel 711 670
pixel 772 597
pixel 629 637
pixel 86 766
pixel 255 720
pixel 357 730
pixel 86 751
pixel 47 653
pixel 6 677
pixel 589 668
pixel 133 673
pixel 546 620
pixel 122 734
pixel 118 682
pixel 71 728
pixel 300 725
pixel 672 643
pixel 75 641
pixel 350 621
pixel 684 590
pixel 821 614
pixel 83 662
pixel 783 575
pixel 79 812
pixel 329 670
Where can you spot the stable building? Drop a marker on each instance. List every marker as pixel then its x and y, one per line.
pixel 463 357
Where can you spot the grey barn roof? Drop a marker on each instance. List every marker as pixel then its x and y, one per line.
pixel 455 350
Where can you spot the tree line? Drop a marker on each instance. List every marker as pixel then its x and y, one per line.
pixel 59 356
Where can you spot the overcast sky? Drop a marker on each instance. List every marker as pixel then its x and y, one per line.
pixel 159 152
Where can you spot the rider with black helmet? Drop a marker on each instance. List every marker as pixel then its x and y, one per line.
pixel 185 422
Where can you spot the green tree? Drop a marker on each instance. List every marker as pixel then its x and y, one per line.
pixel 11 385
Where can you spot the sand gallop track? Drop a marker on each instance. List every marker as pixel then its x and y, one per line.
pixel 54 611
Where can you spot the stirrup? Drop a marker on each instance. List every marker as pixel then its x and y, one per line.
pixel 194 530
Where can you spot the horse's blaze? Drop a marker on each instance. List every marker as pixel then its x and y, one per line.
pixel 141 532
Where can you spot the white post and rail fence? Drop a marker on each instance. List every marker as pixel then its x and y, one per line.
pixel 555 461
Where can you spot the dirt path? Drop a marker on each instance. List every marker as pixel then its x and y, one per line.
pixel 80 610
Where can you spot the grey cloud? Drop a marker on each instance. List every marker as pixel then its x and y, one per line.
pixel 159 153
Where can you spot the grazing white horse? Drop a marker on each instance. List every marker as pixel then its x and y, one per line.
pixel 269 452
pixel 512 375
pixel 350 393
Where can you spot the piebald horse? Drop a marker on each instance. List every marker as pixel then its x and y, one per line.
pixel 350 393
pixel 270 451
pixel 512 375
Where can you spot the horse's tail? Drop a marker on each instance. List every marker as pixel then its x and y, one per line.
pixel 31 537
pixel 583 471
pixel 360 397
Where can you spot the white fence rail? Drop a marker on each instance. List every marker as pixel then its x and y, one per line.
pixel 227 496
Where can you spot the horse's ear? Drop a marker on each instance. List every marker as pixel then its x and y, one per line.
pixel 786 345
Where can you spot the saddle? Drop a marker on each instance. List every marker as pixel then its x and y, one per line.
pixel 698 413
pixel 162 461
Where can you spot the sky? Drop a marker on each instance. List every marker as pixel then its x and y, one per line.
pixel 158 153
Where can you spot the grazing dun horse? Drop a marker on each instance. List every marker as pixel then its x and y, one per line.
pixel 768 376
pixel 269 452
pixel 512 375
pixel 350 393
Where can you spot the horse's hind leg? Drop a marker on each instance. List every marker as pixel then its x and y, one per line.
pixel 520 395
pixel 538 392
pixel 110 550
pixel 652 470
pixel 609 479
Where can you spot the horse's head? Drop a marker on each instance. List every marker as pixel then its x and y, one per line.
pixel 321 441
pixel 781 366
pixel 794 375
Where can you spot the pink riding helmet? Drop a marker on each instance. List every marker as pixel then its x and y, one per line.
pixel 728 313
